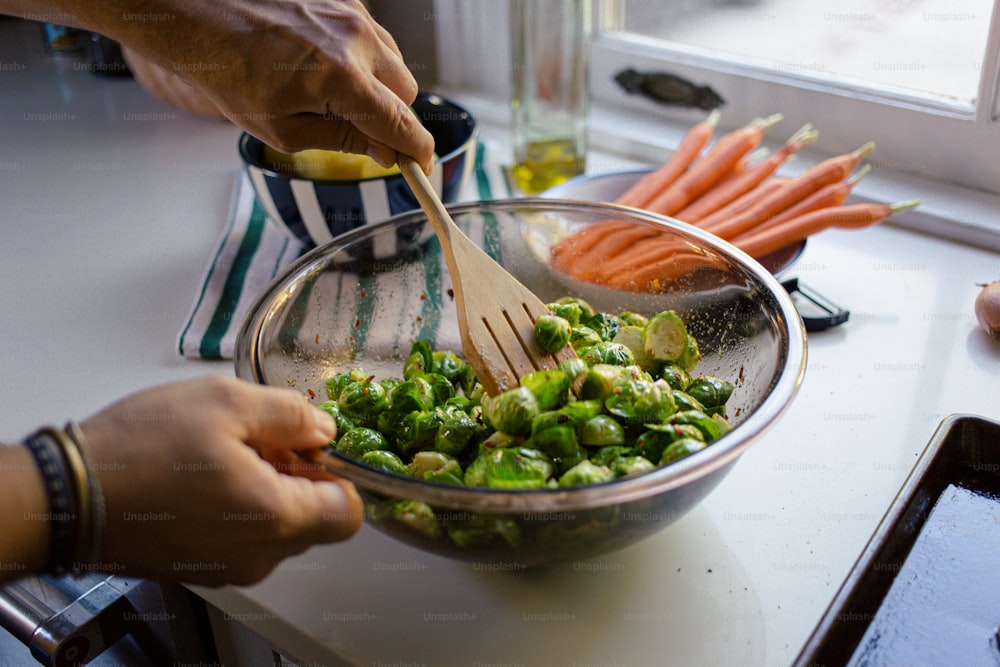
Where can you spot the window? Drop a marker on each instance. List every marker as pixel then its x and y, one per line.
pixel 920 77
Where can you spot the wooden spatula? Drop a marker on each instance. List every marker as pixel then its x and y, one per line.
pixel 496 313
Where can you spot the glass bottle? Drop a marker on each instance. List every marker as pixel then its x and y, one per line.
pixel 550 90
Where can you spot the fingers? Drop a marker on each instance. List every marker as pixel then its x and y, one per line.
pixel 282 419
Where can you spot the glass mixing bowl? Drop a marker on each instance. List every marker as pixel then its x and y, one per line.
pixel 360 301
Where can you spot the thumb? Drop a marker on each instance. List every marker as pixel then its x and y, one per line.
pixel 325 511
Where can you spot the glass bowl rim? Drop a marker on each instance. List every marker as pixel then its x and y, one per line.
pixel 717 456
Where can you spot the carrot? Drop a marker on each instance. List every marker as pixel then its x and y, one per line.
pixel 745 201
pixel 834 194
pixel 854 216
pixel 742 183
pixel 829 171
pixel 657 275
pixel 568 250
pixel 611 246
pixel 642 252
pixel 707 171
pixel 690 147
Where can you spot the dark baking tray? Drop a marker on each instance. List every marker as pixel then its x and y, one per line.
pixel 964 452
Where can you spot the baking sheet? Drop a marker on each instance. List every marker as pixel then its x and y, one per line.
pixel 926 589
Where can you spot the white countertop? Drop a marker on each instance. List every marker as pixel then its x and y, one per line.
pixel 111 204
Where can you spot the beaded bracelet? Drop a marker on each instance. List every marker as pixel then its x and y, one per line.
pixel 62 510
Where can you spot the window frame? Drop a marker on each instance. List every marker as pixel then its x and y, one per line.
pixel 954 168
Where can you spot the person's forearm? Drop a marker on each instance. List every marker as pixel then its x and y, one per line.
pixel 23 514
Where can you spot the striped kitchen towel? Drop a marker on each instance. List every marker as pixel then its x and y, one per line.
pixel 252 252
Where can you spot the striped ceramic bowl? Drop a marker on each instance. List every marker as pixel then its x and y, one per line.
pixel 315 211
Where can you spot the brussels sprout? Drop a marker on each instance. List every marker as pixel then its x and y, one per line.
pixel 573 366
pixel 336 384
pixel 498 440
pixel 412 514
pixel 631 337
pixel 444 477
pixel 605 324
pixel 550 387
pixel 607 352
pixel 441 387
pixel 552 333
pixel 384 461
pixel 633 319
pixel 411 395
pixel 598 380
pixel 463 403
pixel 602 430
pixel 511 411
pixel 482 530
pixel 571 312
pixel 511 468
pixel 586 310
pixel 360 440
pixel 709 428
pixel 691 355
pixel 455 432
pixel 638 402
pixel 363 401
pixel 424 462
pixel 572 414
pixel 418 431
pixel 606 455
pixel 447 363
pixel 419 361
pixel 710 391
pixel 675 376
pixel 626 466
pixel 665 337
pixel 652 442
pixel 685 401
pixel 389 384
pixel 560 444
pixel 468 382
pixel 585 472
pixel 583 337
pixel 344 423
pixel 681 448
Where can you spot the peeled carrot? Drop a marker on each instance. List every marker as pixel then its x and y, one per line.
pixel 570 249
pixel 638 254
pixel 829 171
pixel 707 171
pixel 669 267
pixel 690 147
pixel 612 246
pixel 834 194
pixel 853 216
pixel 732 188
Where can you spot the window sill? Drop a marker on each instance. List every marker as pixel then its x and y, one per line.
pixel 623 139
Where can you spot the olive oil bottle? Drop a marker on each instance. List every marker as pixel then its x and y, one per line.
pixel 550 91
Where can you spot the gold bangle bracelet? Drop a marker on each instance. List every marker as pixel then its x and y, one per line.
pixel 99 517
pixel 80 483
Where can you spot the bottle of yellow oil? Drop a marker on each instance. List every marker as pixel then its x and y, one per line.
pixel 550 91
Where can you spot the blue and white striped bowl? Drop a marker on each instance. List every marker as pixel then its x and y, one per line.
pixel 315 211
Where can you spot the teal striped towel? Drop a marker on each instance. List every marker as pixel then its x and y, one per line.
pixel 253 250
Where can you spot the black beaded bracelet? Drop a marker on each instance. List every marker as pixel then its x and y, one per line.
pixel 62 510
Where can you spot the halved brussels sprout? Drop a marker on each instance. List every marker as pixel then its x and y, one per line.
pixel 605 324
pixel 710 391
pixel 585 472
pixel 607 352
pixel 510 468
pixel 363 401
pixel 626 466
pixel 412 395
pixel 384 461
pixel 571 312
pixel 511 411
pixel 681 449
pixel 455 431
pixel 550 387
pixel 583 337
pixel 665 337
pixel 631 337
pixel 560 444
pixel 638 402
pixel 424 462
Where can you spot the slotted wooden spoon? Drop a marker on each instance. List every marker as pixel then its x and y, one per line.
pixel 496 313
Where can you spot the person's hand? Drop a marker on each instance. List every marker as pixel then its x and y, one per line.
pixel 202 483
pixel 298 75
